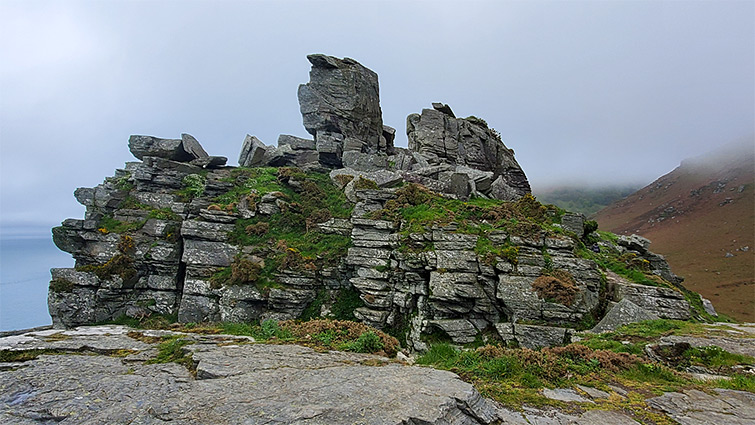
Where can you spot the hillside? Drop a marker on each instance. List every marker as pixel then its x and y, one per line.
pixel 701 217
pixel 585 200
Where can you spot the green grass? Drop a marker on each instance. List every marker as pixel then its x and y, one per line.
pixel 193 186
pixel 171 351
pixel 110 225
pixel 716 358
pixel 287 240
pixel 368 342
pixel 347 300
pixel 514 376
pixel 737 382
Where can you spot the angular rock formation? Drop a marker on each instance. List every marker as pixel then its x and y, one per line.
pixel 178 234
pixel 341 108
pixel 440 136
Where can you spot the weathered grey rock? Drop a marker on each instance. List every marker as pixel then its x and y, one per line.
pixel 622 313
pixel 181 150
pixel 708 306
pixel 192 146
pixel 252 384
pixel 208 253
pixel 436 133
pixel 342 97
pixel 383 178
pixel 594 393
pixel 141 146
pixel 565 394
pixel 296 143
pixel 195 229
pixel 330 148
pixel 693 407
pixel 252 152
pixel 500 189
pixel 210 162
pixel 574 222
pixel 634 243
pixel 535 336
pixel 665 303
pixel 460 331
pixel 337 226
pixel 389 135
pixel 738 343
pixel 482 179
pixel 442 107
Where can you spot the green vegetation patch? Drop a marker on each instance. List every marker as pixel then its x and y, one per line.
pixel 342 335
pixel 193 186
pixel 418 209
pixel 287 240
pixel 515 376
pixel 171 351
pixel 61 285
pixel 110 225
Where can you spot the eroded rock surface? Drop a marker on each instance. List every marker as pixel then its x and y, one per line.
pixel 235 383
pixel 341 107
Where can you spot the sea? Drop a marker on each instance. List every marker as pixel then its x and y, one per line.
pixel 25 264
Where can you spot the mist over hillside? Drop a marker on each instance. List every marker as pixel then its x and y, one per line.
pixel 584 199
pixel 701 216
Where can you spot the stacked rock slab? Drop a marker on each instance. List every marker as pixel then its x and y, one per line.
pixel 440 136
pixel 161 258
pixel 341 108
pixel 451 289
pixel 152 238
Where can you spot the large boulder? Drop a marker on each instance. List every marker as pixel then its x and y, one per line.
pixel 253 152
pixel 437 134
pixel 622 313
pixel 185 149
pixel 342 99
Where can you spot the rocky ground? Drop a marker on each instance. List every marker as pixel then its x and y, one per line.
pixel 115 374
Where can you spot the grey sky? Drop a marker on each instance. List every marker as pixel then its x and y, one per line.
pixel 590 92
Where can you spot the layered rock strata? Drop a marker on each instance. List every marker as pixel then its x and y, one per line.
pixel 179 234
pixel 340 106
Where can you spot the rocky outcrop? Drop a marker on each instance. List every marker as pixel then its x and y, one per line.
pixel 622 313
pixel 181 235
pixel 110 374
pixel 451 287
pixel 442 138
pixel 186 149
pixel 341 108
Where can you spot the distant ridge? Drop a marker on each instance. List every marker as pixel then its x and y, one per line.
pixel 701 216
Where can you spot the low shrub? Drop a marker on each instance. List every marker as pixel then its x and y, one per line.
pixel 558 286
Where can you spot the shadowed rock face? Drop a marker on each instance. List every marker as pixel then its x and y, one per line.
pixel 340 107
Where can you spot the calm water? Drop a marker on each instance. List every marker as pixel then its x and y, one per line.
pixel 25 265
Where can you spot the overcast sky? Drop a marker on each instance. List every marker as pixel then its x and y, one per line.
pixel 586 92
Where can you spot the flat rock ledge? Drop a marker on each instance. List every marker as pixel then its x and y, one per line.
pixel 89 380
pixel 102 374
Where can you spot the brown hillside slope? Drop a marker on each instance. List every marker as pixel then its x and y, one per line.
pixel 701 216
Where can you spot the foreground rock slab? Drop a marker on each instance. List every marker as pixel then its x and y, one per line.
pixel 107 374
pixel 693 407
pixel 235 383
